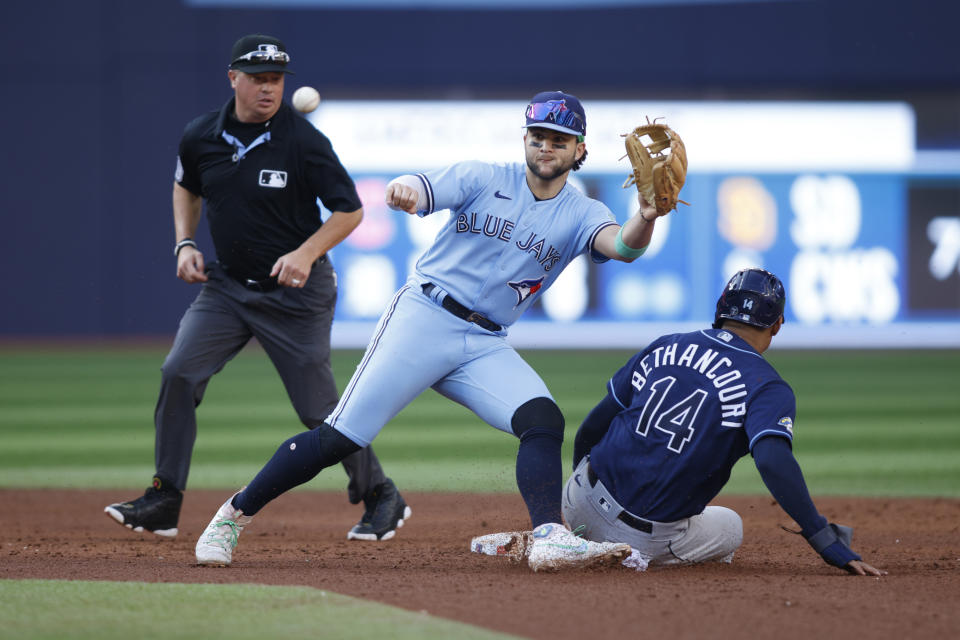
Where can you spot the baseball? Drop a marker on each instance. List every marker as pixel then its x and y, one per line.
pixel 306 99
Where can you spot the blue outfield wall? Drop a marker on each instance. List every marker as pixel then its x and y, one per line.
pixel 99 92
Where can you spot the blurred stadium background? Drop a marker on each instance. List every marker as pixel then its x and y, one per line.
pixel 824 142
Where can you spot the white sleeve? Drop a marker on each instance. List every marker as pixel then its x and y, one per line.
pixel 418 184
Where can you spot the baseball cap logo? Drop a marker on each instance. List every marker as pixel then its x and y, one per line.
pixel 273 179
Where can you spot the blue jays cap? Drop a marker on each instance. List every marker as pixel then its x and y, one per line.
pixel 258 53
pixel 558 111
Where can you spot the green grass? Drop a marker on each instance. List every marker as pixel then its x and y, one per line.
pixel 79 610
pixel 869 423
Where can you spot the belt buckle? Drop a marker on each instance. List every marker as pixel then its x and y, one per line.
pixel 262 286
pixel 475 318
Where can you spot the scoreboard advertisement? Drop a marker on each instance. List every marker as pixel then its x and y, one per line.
pixel 869 251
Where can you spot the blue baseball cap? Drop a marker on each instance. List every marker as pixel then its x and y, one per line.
pixel 558 111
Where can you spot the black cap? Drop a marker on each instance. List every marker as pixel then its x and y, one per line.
pixel 258 53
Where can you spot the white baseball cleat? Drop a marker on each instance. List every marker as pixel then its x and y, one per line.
pixel 215 547
pixel 509 544
pixel 554 548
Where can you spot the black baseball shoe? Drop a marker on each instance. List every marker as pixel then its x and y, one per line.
pixel 157 511
pixel 385 513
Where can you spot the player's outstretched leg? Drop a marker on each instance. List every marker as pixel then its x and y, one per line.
pixel 215 547
pixel 555 548
pixel 298 460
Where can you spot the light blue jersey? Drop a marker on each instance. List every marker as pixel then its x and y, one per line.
pixel 500 250
pixel 502 247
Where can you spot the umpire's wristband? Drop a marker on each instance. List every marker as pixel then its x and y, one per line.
pixel 186 242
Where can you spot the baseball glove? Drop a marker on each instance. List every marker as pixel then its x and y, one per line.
pixel 659 162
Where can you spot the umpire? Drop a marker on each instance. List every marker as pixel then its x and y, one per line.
pixel 260 167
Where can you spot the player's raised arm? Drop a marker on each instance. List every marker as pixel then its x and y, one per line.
pixel 629 242
pixel 658 158
pixel 406 193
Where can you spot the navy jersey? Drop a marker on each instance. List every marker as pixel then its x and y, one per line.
pixel 692 405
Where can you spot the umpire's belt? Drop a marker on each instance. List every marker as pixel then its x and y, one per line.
pixel 624 516
pixel 264 285
pixel 457 309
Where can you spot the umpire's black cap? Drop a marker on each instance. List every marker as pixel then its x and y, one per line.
pixel 258 53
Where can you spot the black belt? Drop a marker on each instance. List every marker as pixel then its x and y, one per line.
pixel 264 285
pixel 461 311
pixel 625 516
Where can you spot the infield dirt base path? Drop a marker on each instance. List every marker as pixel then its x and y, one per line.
pixel 777 587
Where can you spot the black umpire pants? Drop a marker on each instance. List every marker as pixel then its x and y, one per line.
pixel 292 326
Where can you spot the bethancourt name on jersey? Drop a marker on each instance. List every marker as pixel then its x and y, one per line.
pixel 720 373
pixel 502 229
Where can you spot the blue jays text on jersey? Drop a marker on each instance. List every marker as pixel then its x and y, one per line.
pixel 502 247
pixel 501 229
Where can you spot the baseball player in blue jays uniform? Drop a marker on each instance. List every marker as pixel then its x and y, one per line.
pixel 513 229
pixel 675 419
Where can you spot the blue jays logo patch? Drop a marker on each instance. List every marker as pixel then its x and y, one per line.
pixel 786 423
pixel 526 288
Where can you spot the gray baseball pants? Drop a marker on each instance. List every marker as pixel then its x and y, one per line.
pixel 715 534
pixel 292 326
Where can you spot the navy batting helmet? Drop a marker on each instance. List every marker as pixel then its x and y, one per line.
pixel 752 296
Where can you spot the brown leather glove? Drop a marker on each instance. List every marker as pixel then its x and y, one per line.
pixel 659 162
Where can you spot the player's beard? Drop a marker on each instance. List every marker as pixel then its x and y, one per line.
pixel 560 168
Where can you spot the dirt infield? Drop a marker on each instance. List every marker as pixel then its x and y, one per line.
pixel 776 586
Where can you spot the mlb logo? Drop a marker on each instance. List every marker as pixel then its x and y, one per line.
pixel 273 179
pixel 604 504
